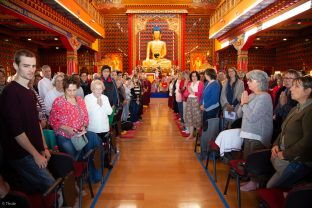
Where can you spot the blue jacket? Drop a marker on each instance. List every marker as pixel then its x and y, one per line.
pixel 211 95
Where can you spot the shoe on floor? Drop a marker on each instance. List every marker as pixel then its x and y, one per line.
pixel 250 186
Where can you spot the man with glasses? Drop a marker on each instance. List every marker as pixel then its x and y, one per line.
pixel 283 101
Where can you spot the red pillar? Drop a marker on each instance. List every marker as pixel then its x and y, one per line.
pixel 183 41
pixel 72 62
pixel 130 48
pixel 242 60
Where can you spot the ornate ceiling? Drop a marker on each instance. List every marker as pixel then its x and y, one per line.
pixel 297 27
pixel 11 26
pixel 120 7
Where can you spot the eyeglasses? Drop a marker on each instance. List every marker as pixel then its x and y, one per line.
pixel 288 78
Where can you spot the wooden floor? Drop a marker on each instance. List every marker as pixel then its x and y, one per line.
pixel 159 169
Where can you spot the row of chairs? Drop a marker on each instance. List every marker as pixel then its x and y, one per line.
pixel 81 168
pixel 251 167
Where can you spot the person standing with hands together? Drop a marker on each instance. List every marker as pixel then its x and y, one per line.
pixel 256 110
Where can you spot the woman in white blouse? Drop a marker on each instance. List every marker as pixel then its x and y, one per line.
pixel 98 109
pixel 55 92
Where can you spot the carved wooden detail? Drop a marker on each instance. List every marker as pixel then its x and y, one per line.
pixel 270 11
pixel 47 13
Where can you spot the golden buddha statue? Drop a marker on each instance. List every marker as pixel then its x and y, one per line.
pixel 197 63
pixel 159 51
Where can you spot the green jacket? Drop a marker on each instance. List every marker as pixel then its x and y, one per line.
pixel 295 139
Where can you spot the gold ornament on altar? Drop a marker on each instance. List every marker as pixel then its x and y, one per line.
pixel 172 20
pixel 158 49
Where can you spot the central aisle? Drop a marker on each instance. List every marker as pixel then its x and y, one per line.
pixel 158 168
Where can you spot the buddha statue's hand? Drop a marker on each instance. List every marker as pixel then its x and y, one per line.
pixel 157 55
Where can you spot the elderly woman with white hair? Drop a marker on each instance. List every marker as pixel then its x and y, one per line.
pixel 55 92
pixel 98 108
pixel 257 121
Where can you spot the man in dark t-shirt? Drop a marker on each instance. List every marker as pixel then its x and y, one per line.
pixel 24 146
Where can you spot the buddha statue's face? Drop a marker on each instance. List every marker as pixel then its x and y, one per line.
pixel 156 35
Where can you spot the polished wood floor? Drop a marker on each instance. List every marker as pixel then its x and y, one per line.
pixel 158 169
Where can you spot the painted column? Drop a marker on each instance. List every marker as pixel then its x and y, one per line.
pixel 242 60
pixel 96 60
pixel 72 62
pixel 130 48
pixel 216 60
pixel 183 30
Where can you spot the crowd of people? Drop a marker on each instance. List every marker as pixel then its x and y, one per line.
pixel 71 106
pixel 267 112
pixel 257 112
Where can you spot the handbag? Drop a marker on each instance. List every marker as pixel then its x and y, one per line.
pixel 79 141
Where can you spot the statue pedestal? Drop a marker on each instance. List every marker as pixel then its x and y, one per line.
pixel 151 65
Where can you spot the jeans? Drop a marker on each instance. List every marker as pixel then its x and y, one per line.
pixel 289 176
pixel 33 178
pixel 180 107
pixel 93 142
pixel 125 112
pixel 65 145
pixel 134 110
pixel 207 115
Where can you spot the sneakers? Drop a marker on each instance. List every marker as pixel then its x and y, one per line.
pixel 250 186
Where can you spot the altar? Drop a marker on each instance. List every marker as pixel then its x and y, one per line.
pixel 141 32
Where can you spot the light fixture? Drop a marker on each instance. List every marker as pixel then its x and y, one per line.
pixel 299 23
pixel 256 47
pixel 307 39
pixel 6 40
pixel 225 44
pixel 93 21
pixel 29 39
pixel 55 38
pixel 258 38
pixel 277 72
pixel 284 39
pixel 57 47
pixel 249 33
pixel 234 19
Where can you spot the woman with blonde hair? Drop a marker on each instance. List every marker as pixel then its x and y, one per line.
pixel 55 92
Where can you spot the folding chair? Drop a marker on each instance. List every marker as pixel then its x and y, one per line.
pixel 257 164
pixel 81 172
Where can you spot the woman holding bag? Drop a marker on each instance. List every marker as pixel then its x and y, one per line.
pixel 68 118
